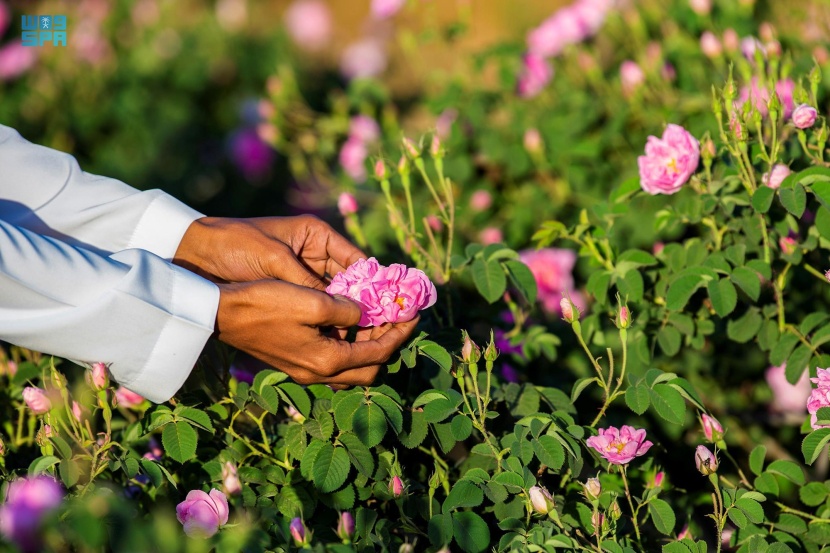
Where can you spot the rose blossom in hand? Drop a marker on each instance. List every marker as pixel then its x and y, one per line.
pixel 391 294
pixel 202 514
pixel 669 161
pixel 620 446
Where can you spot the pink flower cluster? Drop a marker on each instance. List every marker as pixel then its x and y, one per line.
pixel 620 446
pixel 28 501
pixel 820 396
pixel 760 96
pixel 392 294
pixel 553 270
pixel 669 161
pixel 362 131
pixel 569 25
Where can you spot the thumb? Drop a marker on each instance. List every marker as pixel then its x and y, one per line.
pixel 285 266
pixel 339 311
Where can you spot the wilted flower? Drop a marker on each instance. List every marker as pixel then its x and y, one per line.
pixel 541 499
pixel 230 479
pixel 712 429
pixel 28 501
pixel 396 487
pixel 346 204
pixel 705 460
pixel 535 76
pixel 491 235
pixel 345 526
pixel 774 178
pixel 804 116
pixel 481 200
pixel 710 45
pixel 553 270
pixel 298 532
pixel 386 294
pixel 309 23
pixel 669 161
pixel 620 446
pixel 786 397
pixel 593 488
pixel 201 514
pixel 98 377
pixel 127 398
pixel 36 400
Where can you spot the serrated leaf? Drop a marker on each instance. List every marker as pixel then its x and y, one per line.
pixel 470 531
pixel 745 328
pixel 463 494
pixel 267 377
pixel 391 409
pixel 42 464
pixel 684 285
pixel 813 494
pixel 756 459
pixel 294 394
pixel 737 517
pixel 782 349
pixel 180 441
pixel 489 279
pixel 360 455
pixel 662 515
pixel 345 407
pixel 69 472
pixel 198 417
pixel 152 470
pixel 436 353
pixel 549 451
pixel 417 430
pixel 669 339
pixel 268 399
pixel 814 443
pixel 369 424
pixel 752 509
pixel 331 467
pixel 762 199
pixel 580 385
pixel 788 469
pixel 794 200
pixel 748 281
pixel 307 460
pixel 668 403
pixel 637 398
pixel 797 362
pixel 461 427
pixel 723 296
pixel 523 279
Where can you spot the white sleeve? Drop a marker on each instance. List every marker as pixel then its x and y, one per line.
pixel 45 191
pixel 146 317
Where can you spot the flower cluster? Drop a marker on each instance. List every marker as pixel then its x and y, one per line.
pixel 820 396
pixel 392 294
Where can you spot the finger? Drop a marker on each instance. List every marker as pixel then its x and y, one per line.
pixel 346 355
pixel 284 265
pixel 341 251
pixel 337 311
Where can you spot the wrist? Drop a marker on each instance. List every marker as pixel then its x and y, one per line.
pixel 196 240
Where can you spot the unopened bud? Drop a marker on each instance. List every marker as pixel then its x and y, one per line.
pixel 614 510
pixel 469 351
pixel 804 116
pixel 533 141
pixel 435 148
pixel 623 317
pixel 597 520
pixel 396 487
pixel 347 204
pixel 403 165
pixel 298 531
pixel 570 312
pixel 705 460
pixel 593 488
pixel 712 429
pixel 492 352
pixel 658 479
pixel 345 526
pixel 380 170
pixel 97 377
pixel 410 148
pixel 541 499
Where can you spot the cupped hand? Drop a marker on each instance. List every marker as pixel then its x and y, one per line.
pixel 284 325
pixel 303 250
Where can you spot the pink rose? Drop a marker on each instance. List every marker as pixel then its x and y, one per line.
pixel 386 294
pixel 396 486
pixel 346 204
pixel 16 59
pixel 481 200
pixel 128 399
pixel 202 514
pixel 804 116
pixel 98 377
pixel 353 157
pixel 820 396
pixel 631 76
pixel 536 74
pixel 28 501
pixel 620 446
pixel 444 122
pixel 786 397
pixel 491 235
pixel 230 479
pixel 669 161
pixel 774 178
pixel 309 23
pixel 553 270
pixel 384 9
pixel 363 59
pixel 36 400
pixel 710 45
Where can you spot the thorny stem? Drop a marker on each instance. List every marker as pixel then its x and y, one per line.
pixel 765 237
pixel 779 296
pixel 813 271
pixel 631 504
pixel 578 332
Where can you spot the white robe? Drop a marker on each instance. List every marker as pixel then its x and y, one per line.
pixel 85 271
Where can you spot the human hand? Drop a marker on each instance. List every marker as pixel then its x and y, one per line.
pixel 302 250
pixel 282 324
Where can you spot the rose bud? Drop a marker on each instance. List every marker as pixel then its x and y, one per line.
pixel 435 148
pixel 470 352
pixel 347 204
pixel 97 377
pixel 570 312
pixel 380 170
pixel 396 487
pixel 345 526
pixel 776 176
pixel 76 411
pixel 533 141
pixel 658 479
pixel 804 116
pixel 541 499
pixel 705 460
pixel 230 479
pixel 597 520
pixel 710 45
pixel 593 488
pixel 623 317
pixel 36 400
pixel 297 529
pixel 614 510
pixel 481 200
pixel 410 148
pixel 788 245
pixel 202 514
pixel 712 429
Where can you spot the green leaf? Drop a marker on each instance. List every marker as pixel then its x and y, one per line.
pixel 723 296
pixel 436 353
pixel 782 349
pixel 737 517
pixel 797 362
pixel 636 258
pixel 813 494
pixel 823 222
pixel 179 440
pixel 627 188
pixel 347 404
pixel 369 424
pixel 360 455
pixel 42 464
pixel 63 449
pixel 762 199
pixel 756 459
pixel 391 409
pixel 296 396
pixel 662 516
pixel 752 509
pixel 794 200
pixel 767 483
pixel 152 470
pixel 489 279
pixel 744 329
pixel 267 398
pixel 331 467
pixel 580 385
pixel 598 284
pixel 549 451
pixel 463 494
pixel 748 281
pixel 70 472
pixel 523 279
pixel 631 286
pixel 669 339
pixel 684 285
pixel 417 431
pixel 307 460
pixel 267 377
pixel 461 427
pixel 668 403
pixel 439 529
pixel 788 469
pixel 471 532
pixel 637 398
pixel 510 480
pixel 198 417
pixel 813 444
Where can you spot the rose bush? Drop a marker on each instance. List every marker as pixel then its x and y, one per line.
pixel 625 348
